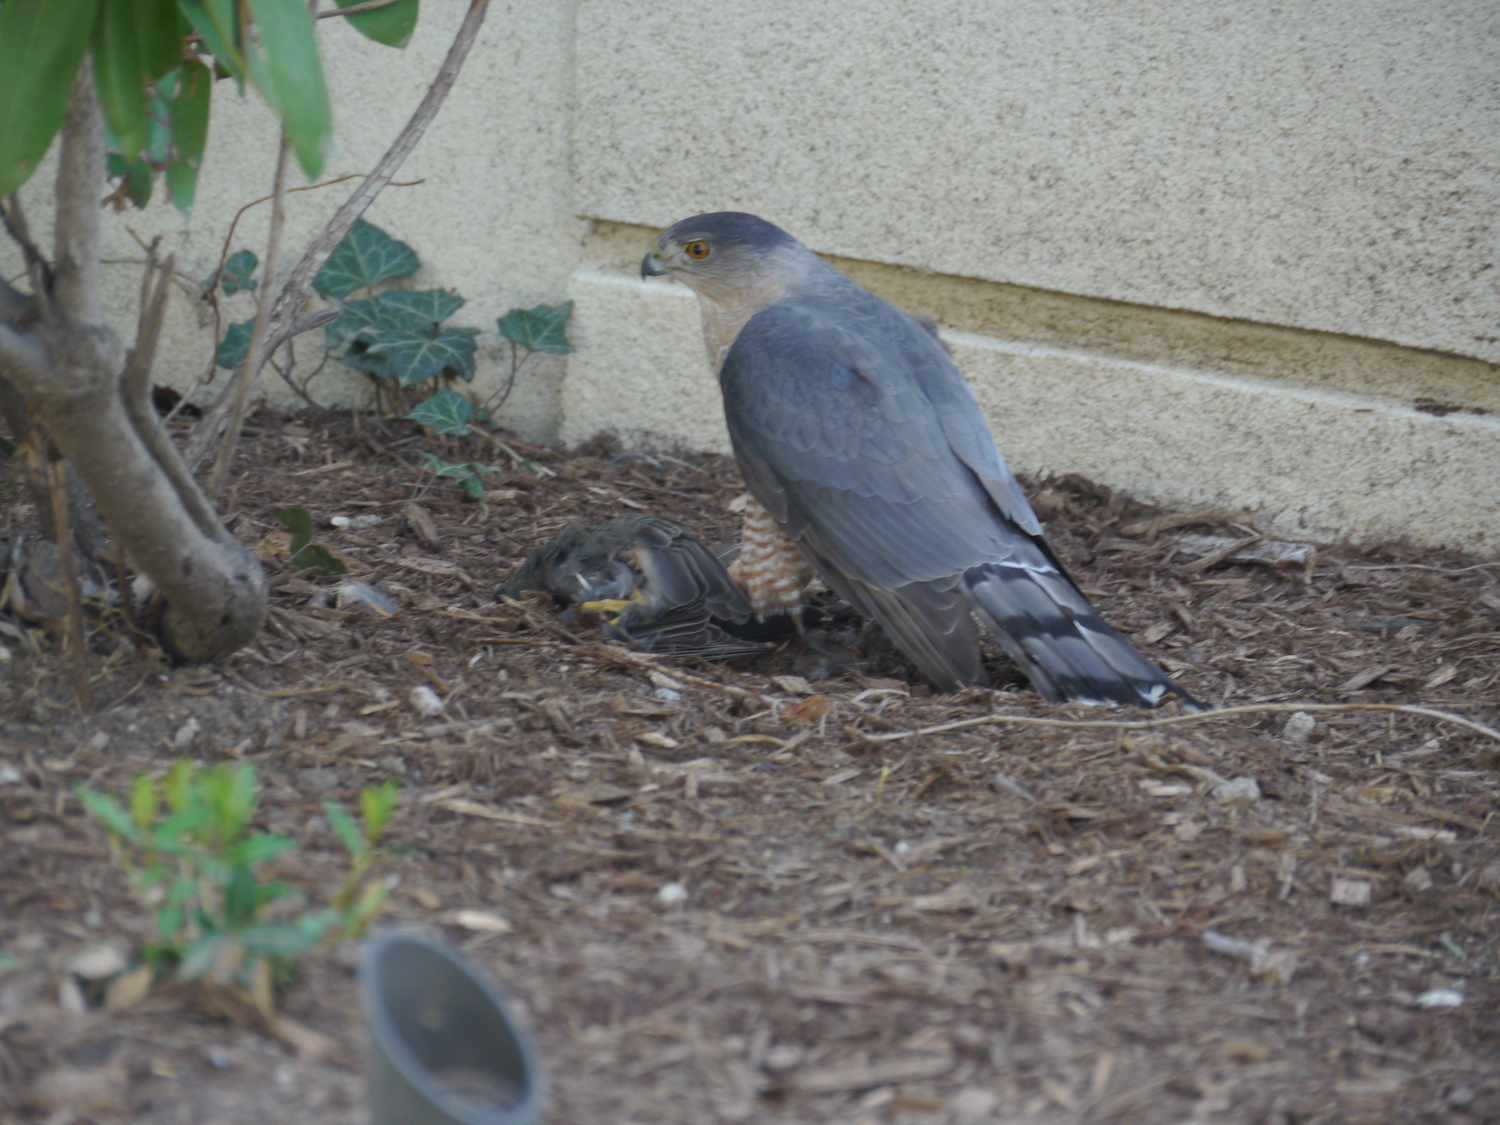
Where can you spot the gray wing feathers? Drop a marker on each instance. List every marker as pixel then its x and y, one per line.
pixel 856 432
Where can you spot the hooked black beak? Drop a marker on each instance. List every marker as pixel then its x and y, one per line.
pixel 650 267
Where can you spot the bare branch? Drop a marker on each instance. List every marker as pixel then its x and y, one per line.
pixel 80 171
pixel 14 304
pixel 22 359
pixel 38 269
pixel 255 356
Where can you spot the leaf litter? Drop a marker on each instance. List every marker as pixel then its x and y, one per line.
pixel 733 892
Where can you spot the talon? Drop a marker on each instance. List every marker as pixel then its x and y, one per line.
pixel 606 606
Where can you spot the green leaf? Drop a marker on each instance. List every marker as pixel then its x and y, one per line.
pixel 180 784
pixel 358 355
pixel 240 899
pixel 41 44
pixel 366 255
pixel 447 412
pixel 159 30
pixel 287 939
pixel 367 317
pixel 472 487
pixel 542 329
pixel 216 25
pixel 416 357
pixel 259 849
pixel 376 804
pixel 235 344
pixel 299 522
pixel 145 800
pixel 188 110
pixel 456 470
pixel 429 306
pixel 319 558
pixel 200 958
pixel 291 78
pixel 235 276
pixel 345 829
pixel 118 77
pixel 391 25
pixel 108 812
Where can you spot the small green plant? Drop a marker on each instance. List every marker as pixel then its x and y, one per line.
pixel 302 550
pixel 186 843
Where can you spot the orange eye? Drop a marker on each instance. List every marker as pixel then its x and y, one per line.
pixel 696 250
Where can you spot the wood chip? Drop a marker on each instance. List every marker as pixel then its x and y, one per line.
pixel 1365 677
pixel 465 807
pixel 1351 892
pixel 1440 677
pixel 479 921
pixel 1279 554
pixel 793 685
pixel 422 525
pixel 839 1079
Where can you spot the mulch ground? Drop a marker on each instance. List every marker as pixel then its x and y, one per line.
pixel 727 893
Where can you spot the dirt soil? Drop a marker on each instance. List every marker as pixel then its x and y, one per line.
pixel 724 893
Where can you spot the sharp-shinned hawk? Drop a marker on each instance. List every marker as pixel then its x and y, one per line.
pixel 859 438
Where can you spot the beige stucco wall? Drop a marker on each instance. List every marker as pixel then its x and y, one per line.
pixel 1235 256
pixel 1228 256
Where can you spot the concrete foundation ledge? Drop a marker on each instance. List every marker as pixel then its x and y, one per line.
pixel 1313 463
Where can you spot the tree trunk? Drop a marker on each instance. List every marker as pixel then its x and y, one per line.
pixel 70 367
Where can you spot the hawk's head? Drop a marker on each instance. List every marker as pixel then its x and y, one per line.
pixel 723 252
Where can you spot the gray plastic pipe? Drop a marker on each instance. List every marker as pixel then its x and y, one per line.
pixel 443 1049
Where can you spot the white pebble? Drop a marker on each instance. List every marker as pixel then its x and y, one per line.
pixel 97 962
pixel 1298 727
pixel 1245 789
pixel 426 701
pixel 186 735
pixel 671 894
pixel 1440 998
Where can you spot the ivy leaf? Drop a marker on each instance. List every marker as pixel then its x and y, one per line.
pixel 542 329
pixel 416 357
pixel 303 551
pixel 235 277
pixel 447 412
pixel 367 255
pixel 391 24
pixel 299 522
pixel 456 470
pixel 391 312
pixel 430 305
pixel 235 344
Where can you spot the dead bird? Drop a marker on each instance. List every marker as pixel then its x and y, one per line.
pixel 652 582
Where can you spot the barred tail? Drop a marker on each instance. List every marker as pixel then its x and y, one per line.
pixel 1062 644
